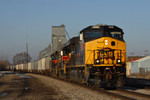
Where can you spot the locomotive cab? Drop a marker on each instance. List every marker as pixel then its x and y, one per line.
pixel 97 31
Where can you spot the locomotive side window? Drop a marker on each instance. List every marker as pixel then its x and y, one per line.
pixel 116 35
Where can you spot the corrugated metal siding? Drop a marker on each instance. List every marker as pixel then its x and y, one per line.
pixel 21 66
pixel 29 67
pixel 17 67
pixel 39 65
pixel 58 37
pixel 14 66
pixel 46 52
pixel 25 67
pixel 134 67
pixel 141 66
pixel 43 63
pixel 32 65
pixel 145 64
pixel 47 63
pixel 142 71
pixel 11 67
pixel 36 65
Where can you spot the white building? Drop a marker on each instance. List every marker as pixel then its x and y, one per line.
pixel 141 66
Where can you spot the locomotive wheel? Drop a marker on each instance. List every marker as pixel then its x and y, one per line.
pixel 108 76
pixel 80 75
pixel 108 80
pixel 68 74
pixel 120 82
pixel 97 82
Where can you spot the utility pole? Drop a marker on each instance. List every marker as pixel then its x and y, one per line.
pixel 27 51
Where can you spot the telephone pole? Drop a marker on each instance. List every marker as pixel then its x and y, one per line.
pixel 27 55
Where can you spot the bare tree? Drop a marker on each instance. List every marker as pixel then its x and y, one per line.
pixel 4 64
pixel 21 58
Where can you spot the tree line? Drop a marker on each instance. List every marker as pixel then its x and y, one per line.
pixel 4 64
pixel 19 58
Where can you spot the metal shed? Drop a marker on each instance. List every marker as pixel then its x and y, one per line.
pixel 141 66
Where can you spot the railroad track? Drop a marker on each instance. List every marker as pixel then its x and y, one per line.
pixel 138 83
pixel 131 94
pixel 114 95
pixel 119 94
pixel 100 90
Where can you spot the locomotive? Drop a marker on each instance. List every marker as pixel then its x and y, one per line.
pixel 96 57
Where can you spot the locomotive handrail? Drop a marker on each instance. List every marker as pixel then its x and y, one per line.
pixel 88 57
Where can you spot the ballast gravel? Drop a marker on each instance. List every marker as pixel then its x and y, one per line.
pixel 71 91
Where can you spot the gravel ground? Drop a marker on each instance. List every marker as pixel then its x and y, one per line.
pixel 71 91
pixel 39 87
pixel 143 91
pixel 22 87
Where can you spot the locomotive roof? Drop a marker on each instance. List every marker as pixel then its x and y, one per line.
pixel 73 41
pixel 101 26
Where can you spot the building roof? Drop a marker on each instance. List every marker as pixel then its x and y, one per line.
pixel 142 59
pixel 134 58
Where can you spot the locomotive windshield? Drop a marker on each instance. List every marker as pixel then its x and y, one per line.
pixel 93 34
pixel 98 31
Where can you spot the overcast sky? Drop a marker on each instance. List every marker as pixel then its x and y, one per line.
pixel 36 17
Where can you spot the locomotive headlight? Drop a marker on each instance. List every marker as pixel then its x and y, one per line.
pixel 106 42
pixel 97 61
pixel 118 60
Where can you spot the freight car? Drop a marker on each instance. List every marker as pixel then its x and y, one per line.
pixel 96 57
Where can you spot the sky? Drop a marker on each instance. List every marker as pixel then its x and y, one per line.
pixel 32 20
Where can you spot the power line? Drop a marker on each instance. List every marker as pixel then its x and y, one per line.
pixel 67 34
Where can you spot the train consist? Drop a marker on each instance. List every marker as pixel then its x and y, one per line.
pixel 96 57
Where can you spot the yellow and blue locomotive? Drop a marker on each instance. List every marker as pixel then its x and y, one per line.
pixel 97 57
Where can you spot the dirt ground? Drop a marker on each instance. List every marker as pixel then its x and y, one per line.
pixel 19 87
pixel 39 87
